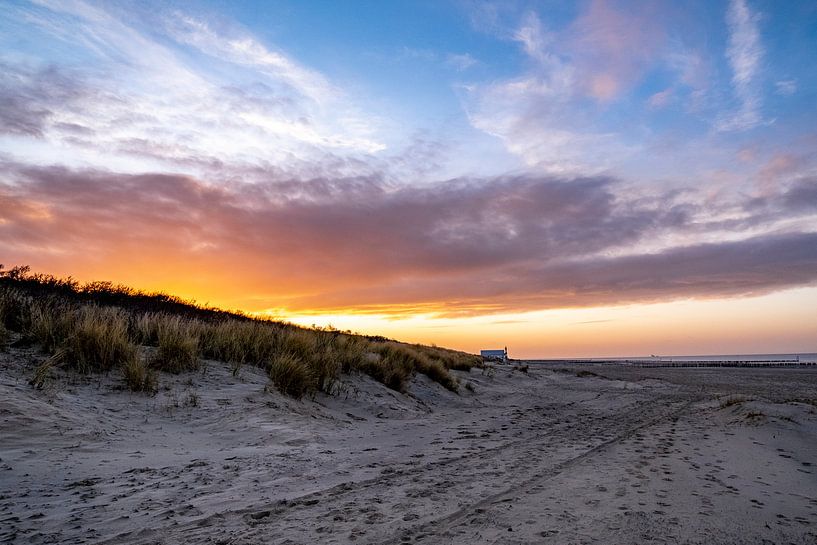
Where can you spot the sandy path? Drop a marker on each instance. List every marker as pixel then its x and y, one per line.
pixel 545 457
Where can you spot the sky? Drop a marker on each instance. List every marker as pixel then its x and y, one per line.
pixel 568 179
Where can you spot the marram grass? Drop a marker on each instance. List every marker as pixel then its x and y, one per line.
pixel 100 328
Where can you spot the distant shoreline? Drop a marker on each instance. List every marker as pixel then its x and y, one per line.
pixel 677 363
pixel 717 360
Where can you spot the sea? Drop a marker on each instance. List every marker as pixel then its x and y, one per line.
pixel 802 357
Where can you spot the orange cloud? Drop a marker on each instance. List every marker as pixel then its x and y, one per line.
pixel 462 247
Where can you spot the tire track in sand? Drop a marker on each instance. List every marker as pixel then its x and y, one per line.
pixel 434 529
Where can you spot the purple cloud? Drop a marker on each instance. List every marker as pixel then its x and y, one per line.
pixel 469 245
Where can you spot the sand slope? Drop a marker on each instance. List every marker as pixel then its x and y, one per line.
pixel 544 457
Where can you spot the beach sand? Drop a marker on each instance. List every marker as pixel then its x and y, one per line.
pixel 630 456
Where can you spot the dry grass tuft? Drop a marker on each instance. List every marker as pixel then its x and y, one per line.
pixel 191 400
pixel 290 375
pixel 398 362
pixel 436 371
pixel 98 340
pixel 393 368
pixel 449 358
pixel 178 345
pixel 297 342
pixel 49 324
pixel 43 373
pixel 139 377
pixel 145 328
pixel 89 339
pixel 349 352
pixel 238 343
pixel 324 362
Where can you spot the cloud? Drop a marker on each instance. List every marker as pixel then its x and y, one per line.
pixel 460 61
pixel 745 54
pixel 786 87
pixel 729 269
pixel 613 45
pixel 548 115
pixel 660 99
pixel 245 50
pixel 531 113
pixel 537 120
pixel 463 246
pixel 143 94
pixel 593 322
pixel 534 39
pixel 30 96
pixel 802 196
pixel 291 199
pixel 777 168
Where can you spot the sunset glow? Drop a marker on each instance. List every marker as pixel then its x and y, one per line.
pixel 567 179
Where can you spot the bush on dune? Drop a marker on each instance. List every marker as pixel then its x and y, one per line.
pixel 15 309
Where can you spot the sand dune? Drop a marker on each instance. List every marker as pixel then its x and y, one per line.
pixel 635 456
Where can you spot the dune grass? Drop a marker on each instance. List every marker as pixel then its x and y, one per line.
pixel 139 377
pixel 96 339
pixel 177 342
pixel 238 343
pixel 290 375
pixel 388 364
pixel 99 327
pixel 49 323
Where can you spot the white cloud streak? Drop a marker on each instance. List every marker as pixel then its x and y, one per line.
pixel 539 116
pixel 786 87
pixel 246 50
pixel 745 54
pixel 147 98
pixel 460 61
